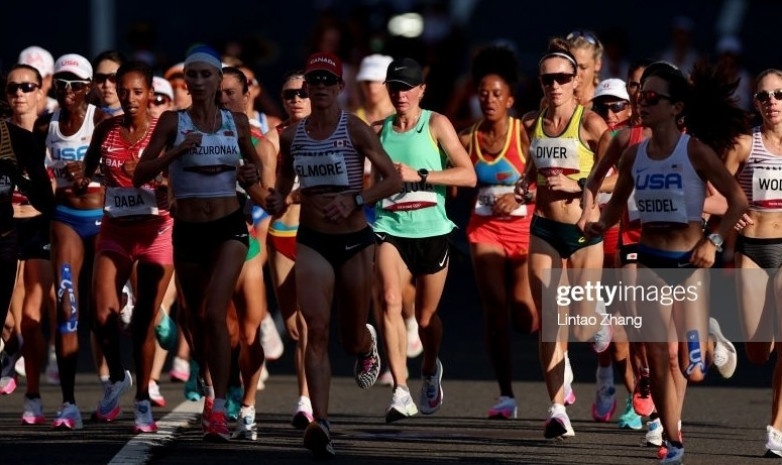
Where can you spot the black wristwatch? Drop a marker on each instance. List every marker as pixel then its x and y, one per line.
pixel 424 173
pixel 582 182
pixel 359 199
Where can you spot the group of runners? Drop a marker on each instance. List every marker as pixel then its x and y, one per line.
pixel 145 207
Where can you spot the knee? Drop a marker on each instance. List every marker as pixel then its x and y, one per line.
pixel 392 301
pixel 427 320
pixel 317 336
pixel 251 335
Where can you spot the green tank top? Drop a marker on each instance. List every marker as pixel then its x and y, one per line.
pixel 416 211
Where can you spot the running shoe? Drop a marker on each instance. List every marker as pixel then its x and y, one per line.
pixel 654 433
pixel 431 398
pixel 218 430
pixel 180 370
pixel 233 403
pixel 601 341
pixel 629 418
pixel 414 345
pixel 662 451
pixel 317 438
pixel 642 396
pixel 386 378
pixel 155 397
pixel 143 422
pixel 19 367
pixel 126 312
pixel 206 414
pixel 367 366
pixel 402 405
pixel 604 406
pixel 302 417
pixel 773 442
pixel 674 454
pixel 570 395
pixel 166 332
pixel 724 356
pixel 69 417
pixel 33 412
pixel 7 384
pixel 245 426
pixel 558 424
pixel 270 339
pixel 52 370
pixel 108 407
pixel 262 379
pixel 192 392
pixel 504 409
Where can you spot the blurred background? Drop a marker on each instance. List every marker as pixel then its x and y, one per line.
pixel 273 37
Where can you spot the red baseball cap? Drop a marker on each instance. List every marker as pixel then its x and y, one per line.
pixel 324 61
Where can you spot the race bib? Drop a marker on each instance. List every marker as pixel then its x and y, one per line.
pixel 766 188
pixel 413 196
pixel 128 201
pixel 660 196
pixel 487 197
pixel 556 155
pixel 327 169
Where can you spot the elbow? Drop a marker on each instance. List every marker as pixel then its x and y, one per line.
pixel 471 179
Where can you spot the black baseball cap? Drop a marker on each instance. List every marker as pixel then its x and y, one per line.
pixel 405 71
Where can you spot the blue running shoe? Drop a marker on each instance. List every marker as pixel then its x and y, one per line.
pixel 192 392
pixel 166 332
pixel 629 418
pixel 234 401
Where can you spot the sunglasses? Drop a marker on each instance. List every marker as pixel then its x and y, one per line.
pixel 100 78
pixel 633 85
pixel 765 95
pixel 650 97
pixel 159 100
pixel 561 78
pixel 615 107
pixel 327 79
pixel 74 85
pixel 290 94
pixel 26 87
pixel 588 36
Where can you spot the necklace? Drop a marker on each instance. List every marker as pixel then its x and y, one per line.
pixel 134 141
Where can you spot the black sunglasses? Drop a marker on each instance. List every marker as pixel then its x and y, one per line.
pixel 650 97
pixel 327 79
pixel 290 94
pixel 100 78
pixel 25 87
pixel 588 36
pixel 765 95
pixel 561 78
pixel 75 85
pixel 159 99
pixel 616 107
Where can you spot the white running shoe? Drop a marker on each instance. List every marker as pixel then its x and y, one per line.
pixel 155 397
pixel 570 395
pixel 431 398
pixel 126 313
pixel 654 433
pixel 143 421
pixel 33 412
pixel 245 424
pixel 270 339
pixel 19 367
pixel 557 424
pixel 302 417
pixel 52 370
pixel 69 417
pixel 386 378
pixel 724 356
pixel 401 406
pixel 505 408
pixel 180 370
pixel 773 441
pixel 262 379
pixel 602 339
pixel 414 345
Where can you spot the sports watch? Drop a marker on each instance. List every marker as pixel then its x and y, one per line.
pixel 424 173
pixel 717 240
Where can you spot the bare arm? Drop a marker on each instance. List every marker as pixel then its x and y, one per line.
pixel 624 187
pixel 249 153
pixel 461 173
pixel 366 142
pixel 153 161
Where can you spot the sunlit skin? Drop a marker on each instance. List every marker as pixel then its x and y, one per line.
pixel 296 108
pixel 652 115
pixel 182 97
pixel 374 92
pixel 771 111
pixel 558 94
pixel 613 119
pixel 107 90
pixel 134 94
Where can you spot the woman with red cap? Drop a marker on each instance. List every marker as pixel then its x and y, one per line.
pixel 335 246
